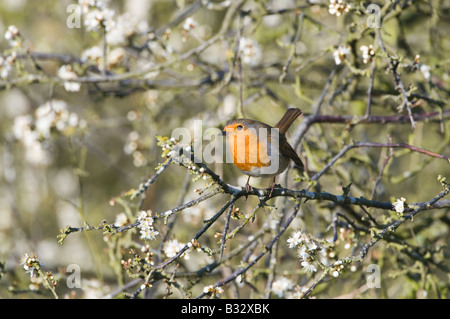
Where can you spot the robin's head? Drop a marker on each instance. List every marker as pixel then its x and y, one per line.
pixel 233 127
pixel 243 126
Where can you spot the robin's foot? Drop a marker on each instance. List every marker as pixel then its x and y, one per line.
pixel 271 188
pixel 248 188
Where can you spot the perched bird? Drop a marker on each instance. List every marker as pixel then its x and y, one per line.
pixel 260 150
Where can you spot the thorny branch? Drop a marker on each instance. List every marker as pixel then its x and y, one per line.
pixel 365 224
pixel 238 192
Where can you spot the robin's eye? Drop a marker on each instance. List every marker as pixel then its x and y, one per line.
pixel 239 127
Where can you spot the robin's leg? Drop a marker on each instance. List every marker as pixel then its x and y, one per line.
pixel 272 187
pixel 248 188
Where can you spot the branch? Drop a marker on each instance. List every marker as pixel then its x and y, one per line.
pixel 368 144
pixel 378 235
pixel 241 271
pixel 393 65
pixel 391 228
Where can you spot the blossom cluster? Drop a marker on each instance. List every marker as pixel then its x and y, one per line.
pixel 136 261
pixel 96 14
pixel 283 287
pixel 31 264
pixel 67 73
pixel 14 38
pixel 6 64
pixel 367 53
pixel 34 131
pixel 211 290
pixel 146 225
pixel 340 54
pixel 306 251
pixel 338 7
pixel 12 35
pixel 173 247
pixel 132 147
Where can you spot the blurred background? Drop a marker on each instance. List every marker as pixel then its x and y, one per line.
pixel 68 149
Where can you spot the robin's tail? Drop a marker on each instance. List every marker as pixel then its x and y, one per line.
pixel 287 119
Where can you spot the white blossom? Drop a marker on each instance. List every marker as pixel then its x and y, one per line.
pixel 340 54
pixel 308 266
pixel 303 254
pixel 6 65
pixel 367 53
pixel 34 131
pixel 146 225
pixel 22 126
pixel 250 51
pixel 121 220
pixel 295 239
pixel 45 117
pixel 96 18
pixel 281 285
pixel 173 247
pixel 13 36
pixel 122 28
pixel 66 72
pixel 212 290
pixel 338 7
pixel 94 53
pixel 31 264
pixel 399 205
pixel 115 57
pixel 190 24
pixel 425 69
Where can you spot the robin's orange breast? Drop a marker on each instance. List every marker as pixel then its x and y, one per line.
pixel 255 156
pixel 247 151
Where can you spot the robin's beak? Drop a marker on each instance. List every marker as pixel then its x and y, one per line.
pixel 223 133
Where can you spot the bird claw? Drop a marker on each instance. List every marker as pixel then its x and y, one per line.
pixel 248 189
pixel 272 188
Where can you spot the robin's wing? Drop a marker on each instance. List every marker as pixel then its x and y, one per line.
pixel 289 152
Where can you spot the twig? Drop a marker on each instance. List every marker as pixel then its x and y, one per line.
pixel 171 223
pixel 316 107
pixel 370 88
pixel 393 65
pixel 143 187
pixel 105 52
pixel 335 223
pixel 238 61
pixel 188 11
pixel 167 291
pixel 363 144
pixel 374 119
pixel 225 231
pixel 257 258
pixel 377 181
pixel 293 47
pixel 391 228
pixel 191 203
pixel 377 237
pixel 197 236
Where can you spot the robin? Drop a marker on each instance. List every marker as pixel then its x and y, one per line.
pixel 260 150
